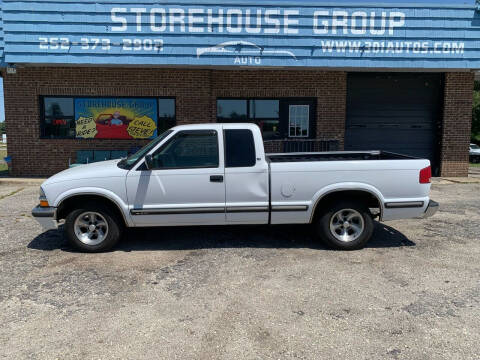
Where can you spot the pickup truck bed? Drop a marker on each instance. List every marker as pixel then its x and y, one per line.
pixel 336 156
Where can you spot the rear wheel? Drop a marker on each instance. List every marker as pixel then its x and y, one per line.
pixel 92 228
pixel 347 225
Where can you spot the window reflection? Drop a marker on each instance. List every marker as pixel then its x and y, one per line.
pixel 188 150
pixel 58 117
pixel 263 112
pixel 166 114
pixel 264 109
pixel 232 110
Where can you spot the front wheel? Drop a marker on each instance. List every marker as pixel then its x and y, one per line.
pixel 347 225
pixel 92 228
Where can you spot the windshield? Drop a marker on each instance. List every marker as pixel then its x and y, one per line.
pixel 132 159
pixel 474 146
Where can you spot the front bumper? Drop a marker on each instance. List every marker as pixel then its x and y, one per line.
pixel 432 208
pixel 45 217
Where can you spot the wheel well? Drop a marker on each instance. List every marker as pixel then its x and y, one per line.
pixel 74 202
pixel 366 197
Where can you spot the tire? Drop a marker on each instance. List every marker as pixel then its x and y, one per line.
pixel 346 225
pixel 107 232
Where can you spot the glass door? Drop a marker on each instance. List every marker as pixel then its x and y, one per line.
pixel 298 121
pixel 299 118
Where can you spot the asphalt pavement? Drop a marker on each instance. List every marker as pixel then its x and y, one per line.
pixel 243 292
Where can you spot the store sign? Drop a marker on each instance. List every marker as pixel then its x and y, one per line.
pixel 116 118
pixel 272 21
pixel 248 34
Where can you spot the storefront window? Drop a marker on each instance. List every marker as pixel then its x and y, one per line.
pixel 265 109
pixel 166 114
pixel 266 114
pixel 58 119
pixel 231 110
pixel 106 117
pixel 263 112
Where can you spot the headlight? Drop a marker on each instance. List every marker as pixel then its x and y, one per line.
pixel 43 199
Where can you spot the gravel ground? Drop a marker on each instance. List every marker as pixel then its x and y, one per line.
pixel 244 292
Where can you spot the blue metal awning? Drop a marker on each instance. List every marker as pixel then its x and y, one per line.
pixel 342 34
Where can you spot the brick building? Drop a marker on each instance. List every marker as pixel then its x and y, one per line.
pixel 397 76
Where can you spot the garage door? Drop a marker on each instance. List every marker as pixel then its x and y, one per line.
pixel 395 112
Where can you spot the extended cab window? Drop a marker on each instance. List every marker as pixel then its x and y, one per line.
pixel 239 148
pixel 189 149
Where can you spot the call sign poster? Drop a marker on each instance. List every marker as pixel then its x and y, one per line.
pixel 116 118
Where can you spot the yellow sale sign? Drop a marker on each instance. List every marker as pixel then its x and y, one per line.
pixel 141 128
pixel 86 127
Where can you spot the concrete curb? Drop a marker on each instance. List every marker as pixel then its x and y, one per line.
pixel 455 180
pixel 21 181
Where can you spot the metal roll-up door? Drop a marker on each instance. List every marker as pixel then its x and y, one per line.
pixel 395 112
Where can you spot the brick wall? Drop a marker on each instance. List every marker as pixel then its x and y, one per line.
pixel 457 118
pixel 195 92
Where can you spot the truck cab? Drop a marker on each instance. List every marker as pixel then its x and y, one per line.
pixel 213 174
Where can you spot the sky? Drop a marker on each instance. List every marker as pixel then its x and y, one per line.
pixel 2 109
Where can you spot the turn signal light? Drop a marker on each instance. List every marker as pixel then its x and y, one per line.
pixel 425 175
pixel 44 203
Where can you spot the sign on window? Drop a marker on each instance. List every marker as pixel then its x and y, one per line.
pixel 116 118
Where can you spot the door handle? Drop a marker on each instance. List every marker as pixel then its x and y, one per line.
pixel 216 178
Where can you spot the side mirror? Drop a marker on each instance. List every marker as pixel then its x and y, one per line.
pixel 149 161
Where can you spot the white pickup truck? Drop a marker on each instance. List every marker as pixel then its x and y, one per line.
pixel 219 174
